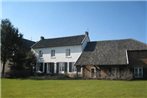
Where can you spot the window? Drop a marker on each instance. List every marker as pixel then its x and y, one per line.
pixel 51 68
pixel 72 68
pixel 62 67
pixel 138 72
pixel 78 69
pixel 67 52
pixel 52 53
pixel 110 71
pixel 40 53
pixel 40 67
pixel 93 72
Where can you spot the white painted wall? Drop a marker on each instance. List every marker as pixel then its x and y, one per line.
pixel 60 54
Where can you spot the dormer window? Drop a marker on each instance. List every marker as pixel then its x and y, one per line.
pixel 40 53
pixel 67 52
pixel 52 53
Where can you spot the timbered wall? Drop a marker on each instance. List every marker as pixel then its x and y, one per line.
pixel 135 59
pixel 138 59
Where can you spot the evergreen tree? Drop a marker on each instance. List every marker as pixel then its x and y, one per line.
pixel 14 50
pixel 10 40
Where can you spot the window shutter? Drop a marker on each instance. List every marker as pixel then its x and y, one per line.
pixel 70 67
pixel 65 69
pixel 41 67
pixel 57 70
pixel 52 68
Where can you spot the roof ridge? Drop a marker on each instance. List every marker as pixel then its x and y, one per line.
pixel 64 37
pixel 109 53
pixel 60 41
pixel 28 40
pixel 118 40
pixel 138 41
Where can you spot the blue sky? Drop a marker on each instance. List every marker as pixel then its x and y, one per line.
pixel 103 20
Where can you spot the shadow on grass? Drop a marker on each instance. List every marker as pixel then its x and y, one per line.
pixel 62 77
pixel 46 77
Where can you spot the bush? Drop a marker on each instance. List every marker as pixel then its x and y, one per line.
pixel 18 74
pixel 50 77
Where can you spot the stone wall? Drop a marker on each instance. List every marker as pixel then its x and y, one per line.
pixel 109 72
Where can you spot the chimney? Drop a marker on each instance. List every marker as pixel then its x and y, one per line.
pixel 86 33
pixel 41 38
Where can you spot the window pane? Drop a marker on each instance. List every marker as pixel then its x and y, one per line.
pixel 41 67
pixel 70 67
pixel 73 67
pixel 79 69
pixel 61 66
pixel 138 72
pixel 40 53
pixel 135 72
pixel 67 52
pixel 52 52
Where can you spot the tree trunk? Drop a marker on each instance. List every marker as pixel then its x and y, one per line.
pixel 3 70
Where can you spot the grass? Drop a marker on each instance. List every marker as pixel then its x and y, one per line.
pixel 16 88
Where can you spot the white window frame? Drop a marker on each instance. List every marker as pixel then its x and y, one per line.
pixel 138 72
pixel 68 52
pixel 73 67
pixel 53 53
pixel 94 72
pixel 39 65
pixel 61 67
pixel 40 53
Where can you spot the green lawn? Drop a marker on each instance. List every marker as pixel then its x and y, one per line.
pixel 16 88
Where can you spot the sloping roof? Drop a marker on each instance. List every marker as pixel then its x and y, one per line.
pixel 113 52
pixel 62 41
pixel 28 43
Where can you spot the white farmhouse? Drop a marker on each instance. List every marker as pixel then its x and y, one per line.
pixel 58 55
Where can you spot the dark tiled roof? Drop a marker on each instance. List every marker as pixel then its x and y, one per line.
pixel 56 42
pixel 113 52
pixel 28 43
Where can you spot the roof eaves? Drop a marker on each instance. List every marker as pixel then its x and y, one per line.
pixel 57 46
pixel 127 57
pixel 83 39
pixel 138 41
